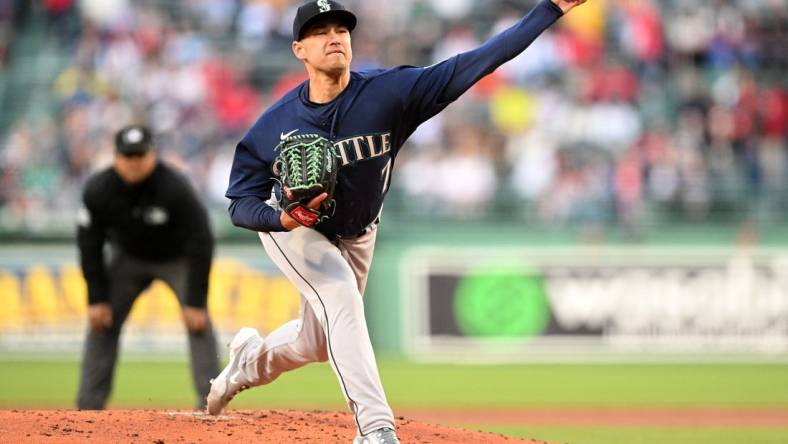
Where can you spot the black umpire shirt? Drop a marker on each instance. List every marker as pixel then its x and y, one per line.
pixel 157 220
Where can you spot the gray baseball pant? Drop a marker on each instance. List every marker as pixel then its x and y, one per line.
pixel 332 327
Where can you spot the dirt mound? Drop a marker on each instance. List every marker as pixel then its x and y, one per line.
pixel 236 427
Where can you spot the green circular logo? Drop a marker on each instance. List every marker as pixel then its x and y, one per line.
pixel 501 304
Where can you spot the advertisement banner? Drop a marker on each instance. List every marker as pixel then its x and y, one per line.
pixel 580 304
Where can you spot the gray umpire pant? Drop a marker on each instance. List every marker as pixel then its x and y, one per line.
pixel 128 278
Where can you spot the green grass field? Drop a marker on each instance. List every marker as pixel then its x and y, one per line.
pixel 52 384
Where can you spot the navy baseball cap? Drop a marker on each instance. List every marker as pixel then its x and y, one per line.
pixel 313 11
pixel 133 139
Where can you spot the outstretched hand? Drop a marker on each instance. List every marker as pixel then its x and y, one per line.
pixel 567 5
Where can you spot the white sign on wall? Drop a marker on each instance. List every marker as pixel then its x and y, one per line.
pixel 579 304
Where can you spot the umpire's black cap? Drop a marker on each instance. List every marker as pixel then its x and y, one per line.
pixel 315 10
pixel 133 139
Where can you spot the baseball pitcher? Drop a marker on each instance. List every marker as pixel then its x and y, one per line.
pixel 319 227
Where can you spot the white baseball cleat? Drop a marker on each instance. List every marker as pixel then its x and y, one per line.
pixel 231 380
pixel 379 436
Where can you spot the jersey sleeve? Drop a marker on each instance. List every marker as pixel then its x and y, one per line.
pixel 91 235
pixel 198 244
pixel 427 91
pixel 250 187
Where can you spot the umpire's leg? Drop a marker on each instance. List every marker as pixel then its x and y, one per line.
pixel 202 344
pixel 127 280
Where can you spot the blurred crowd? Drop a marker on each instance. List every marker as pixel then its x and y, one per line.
pixel 627 112
pixel 7 21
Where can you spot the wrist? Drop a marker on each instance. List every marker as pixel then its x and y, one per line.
pixel 286 222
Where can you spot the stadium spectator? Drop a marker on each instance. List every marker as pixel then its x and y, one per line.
pixel 6 28
pixel 63 20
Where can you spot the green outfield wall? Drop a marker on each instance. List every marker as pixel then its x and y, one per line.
pixel 750 266
pixel 464 291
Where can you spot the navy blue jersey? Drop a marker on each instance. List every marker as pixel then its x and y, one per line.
pixel 368 122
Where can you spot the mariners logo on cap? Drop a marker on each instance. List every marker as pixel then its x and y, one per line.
pixel 323 5
pixel 134 135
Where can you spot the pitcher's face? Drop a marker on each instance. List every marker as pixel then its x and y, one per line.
pixel 326 47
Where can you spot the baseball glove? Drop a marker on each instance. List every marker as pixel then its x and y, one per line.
pixel 306 167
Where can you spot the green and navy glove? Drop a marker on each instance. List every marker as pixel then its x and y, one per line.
pixel 306 167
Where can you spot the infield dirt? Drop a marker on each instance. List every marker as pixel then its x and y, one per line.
pixel 237 427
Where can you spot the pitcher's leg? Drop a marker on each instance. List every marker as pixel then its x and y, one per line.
pixel 254 361
pixel 293 345
pixel 358 254
pixel 316 267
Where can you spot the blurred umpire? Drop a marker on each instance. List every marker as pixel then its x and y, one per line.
pixel 142 221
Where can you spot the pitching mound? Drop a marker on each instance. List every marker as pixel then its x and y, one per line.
pixel 166 427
